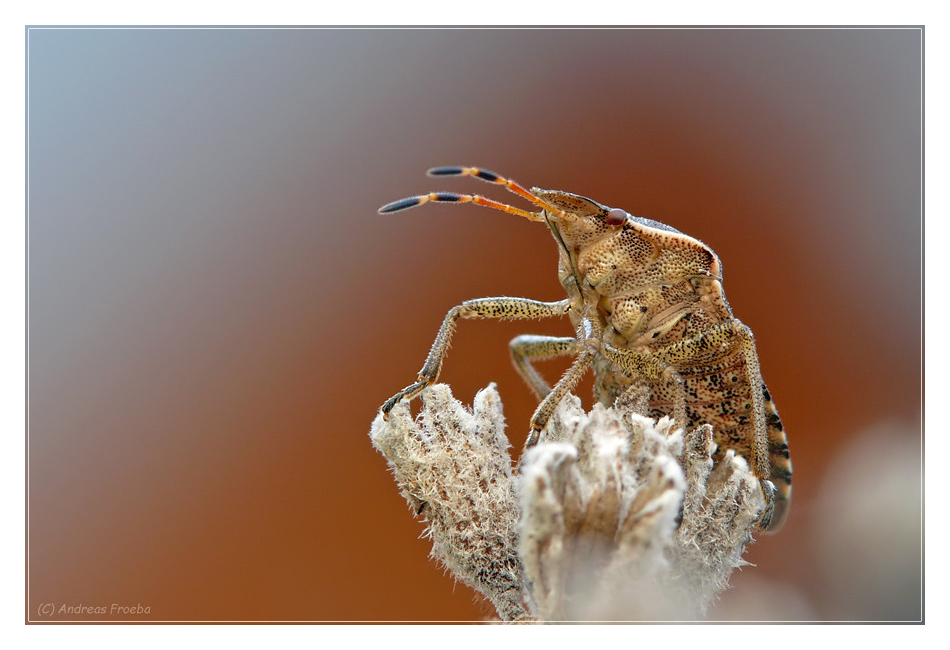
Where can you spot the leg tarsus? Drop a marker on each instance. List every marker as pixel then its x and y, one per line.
pixel 406 393
pixel 767 521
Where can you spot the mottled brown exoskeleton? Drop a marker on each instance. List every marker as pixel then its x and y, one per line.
pixel 648 308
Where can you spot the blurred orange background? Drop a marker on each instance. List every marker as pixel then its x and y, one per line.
pixel 216 311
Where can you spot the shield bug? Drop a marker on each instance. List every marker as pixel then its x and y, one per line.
pixel 648 308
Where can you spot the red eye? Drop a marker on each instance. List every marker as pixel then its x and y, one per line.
pixel 616 217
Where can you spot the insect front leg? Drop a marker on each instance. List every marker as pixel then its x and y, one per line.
pixel 526 347
pixel 500 308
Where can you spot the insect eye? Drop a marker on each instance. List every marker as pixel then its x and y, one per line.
pixel 616 217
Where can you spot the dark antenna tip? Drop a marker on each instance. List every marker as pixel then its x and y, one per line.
pixel 402 204
pixel 446 171
pixel 477 172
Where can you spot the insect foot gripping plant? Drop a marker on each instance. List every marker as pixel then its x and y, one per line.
pixel 651 320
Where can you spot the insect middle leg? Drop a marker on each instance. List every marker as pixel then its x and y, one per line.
pixel 542 415
pixel 500 308
pixel 526 347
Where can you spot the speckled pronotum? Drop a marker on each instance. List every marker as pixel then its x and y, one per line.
pixel 648 307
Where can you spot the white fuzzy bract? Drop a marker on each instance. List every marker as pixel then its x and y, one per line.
pixel 612 516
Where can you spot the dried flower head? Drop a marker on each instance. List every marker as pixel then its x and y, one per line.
pixel 612 516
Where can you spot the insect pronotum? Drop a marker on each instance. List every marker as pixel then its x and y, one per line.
pixel 648 308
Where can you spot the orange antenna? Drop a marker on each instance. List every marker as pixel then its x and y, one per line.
pixel 483 174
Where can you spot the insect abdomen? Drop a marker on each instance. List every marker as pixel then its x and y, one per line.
pixel 780 463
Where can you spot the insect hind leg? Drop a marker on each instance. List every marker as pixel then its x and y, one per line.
pixel 654 370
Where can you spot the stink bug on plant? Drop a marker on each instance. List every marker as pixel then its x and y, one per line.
pixel 647 306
